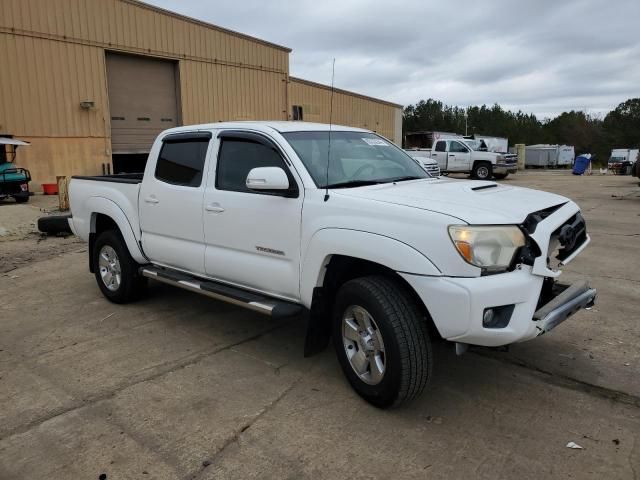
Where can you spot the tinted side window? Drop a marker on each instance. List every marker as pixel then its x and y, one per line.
pixel 458 147
pixel 237 157
pixel 182 162
pixel 441 147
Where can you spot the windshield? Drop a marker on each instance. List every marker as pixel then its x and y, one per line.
pixel 616 159
pixel 356 158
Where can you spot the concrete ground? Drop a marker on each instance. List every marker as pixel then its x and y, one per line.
pixel 179 386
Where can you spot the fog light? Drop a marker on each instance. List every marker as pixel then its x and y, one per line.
pixel 487 318
pixel 497 317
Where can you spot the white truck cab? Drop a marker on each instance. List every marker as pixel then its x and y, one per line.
pixel 459 155
pixel 341 227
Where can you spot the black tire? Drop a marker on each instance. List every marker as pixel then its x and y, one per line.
pixel 500 176
pixel 407 347
pixel 54 224
pixel 22 199
pixel 131 284
pixel 482 171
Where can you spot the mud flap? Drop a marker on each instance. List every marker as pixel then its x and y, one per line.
pixel 318 324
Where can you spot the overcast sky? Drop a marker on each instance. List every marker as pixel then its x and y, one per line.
pixel 541 56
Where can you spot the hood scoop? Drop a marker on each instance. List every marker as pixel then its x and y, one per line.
pixel 484 187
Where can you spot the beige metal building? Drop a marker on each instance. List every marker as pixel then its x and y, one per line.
pixel 91 82
pixel 313 102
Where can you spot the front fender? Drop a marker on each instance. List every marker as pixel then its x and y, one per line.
pixel 386 251
pixel 101 205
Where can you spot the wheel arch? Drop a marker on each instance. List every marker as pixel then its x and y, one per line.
pixel 106 215
pixel 329 271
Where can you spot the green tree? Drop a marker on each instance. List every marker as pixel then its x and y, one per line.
pixel 622 125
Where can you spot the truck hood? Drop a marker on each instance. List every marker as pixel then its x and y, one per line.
pixel 474 202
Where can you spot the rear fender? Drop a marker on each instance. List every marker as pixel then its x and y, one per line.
pixel 104 206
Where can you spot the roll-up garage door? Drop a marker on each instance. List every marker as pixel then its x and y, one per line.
pixel 142 101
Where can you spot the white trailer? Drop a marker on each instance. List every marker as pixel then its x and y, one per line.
pixel 494 144
pixel 549 156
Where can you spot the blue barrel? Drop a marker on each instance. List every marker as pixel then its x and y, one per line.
pixel 581 164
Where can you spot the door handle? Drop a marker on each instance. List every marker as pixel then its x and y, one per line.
pixel 452 156
pixel 214 207
pixel 151 199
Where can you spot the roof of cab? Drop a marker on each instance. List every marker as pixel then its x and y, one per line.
pixel 279 126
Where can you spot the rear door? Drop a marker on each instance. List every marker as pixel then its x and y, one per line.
pixel 253 238
pixel 439 153
pixel 170 202
pixel 459 158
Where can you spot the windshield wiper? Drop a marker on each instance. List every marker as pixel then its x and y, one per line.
pixel 353 183
pixel 403 178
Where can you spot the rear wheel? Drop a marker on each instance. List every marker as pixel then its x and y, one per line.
pixel 381 340
pixel 22 199
pixel 115 271
pixel 482 171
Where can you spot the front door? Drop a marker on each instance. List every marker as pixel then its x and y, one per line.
pixel 459 159
pixel 252 238
pixel 170 202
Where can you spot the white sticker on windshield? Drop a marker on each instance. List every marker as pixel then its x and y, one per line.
pixel 376 142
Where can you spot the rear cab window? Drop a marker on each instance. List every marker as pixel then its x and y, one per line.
pixel 182 158
pixel 441 146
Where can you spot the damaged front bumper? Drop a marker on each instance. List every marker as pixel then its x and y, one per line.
pixel 566 300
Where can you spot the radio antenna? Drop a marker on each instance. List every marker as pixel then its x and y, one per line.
pixel 333 76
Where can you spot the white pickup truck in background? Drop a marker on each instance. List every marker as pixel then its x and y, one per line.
pixel 344 228
pixel 459 155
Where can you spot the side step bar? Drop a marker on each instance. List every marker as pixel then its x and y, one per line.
pixel 253 301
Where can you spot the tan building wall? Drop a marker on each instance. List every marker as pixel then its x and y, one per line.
pixel 349 108
pixel 53 55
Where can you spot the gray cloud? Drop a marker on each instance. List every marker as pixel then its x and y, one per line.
pixel 541 56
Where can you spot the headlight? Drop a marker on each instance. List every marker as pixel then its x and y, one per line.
pixel 491 248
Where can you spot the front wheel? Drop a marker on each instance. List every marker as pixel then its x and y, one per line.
pixel 115 271
pixel 482 171
pixel 21 199
pixel 381 340
pixel 500 176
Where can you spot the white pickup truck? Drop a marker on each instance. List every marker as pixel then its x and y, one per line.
pixel 342 227
pixel 459 155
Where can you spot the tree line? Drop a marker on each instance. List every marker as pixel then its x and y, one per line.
pixel 620 128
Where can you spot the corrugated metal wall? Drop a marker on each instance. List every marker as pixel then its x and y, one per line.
pixel 139 28
pixel 42 83
pixel 213 92
pixel 348 108
pixel 56 48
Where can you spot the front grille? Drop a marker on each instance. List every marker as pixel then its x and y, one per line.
pixel 565 240
pixel 433 170
pixel 571 235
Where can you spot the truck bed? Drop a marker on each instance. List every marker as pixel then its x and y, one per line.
pixel 115 178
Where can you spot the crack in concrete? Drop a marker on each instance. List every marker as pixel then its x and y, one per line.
pixel 93 399
pixel 238 433
pixel 566 381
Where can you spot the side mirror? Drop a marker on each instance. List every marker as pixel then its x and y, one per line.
pixel 267 179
